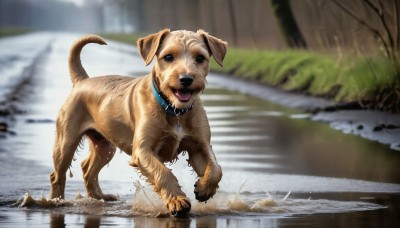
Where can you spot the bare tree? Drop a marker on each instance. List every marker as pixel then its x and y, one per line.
pixel 390 38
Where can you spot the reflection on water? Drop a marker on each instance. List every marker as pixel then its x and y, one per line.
pixel 305 147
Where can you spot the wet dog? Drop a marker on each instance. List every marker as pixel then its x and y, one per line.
pixel 152 118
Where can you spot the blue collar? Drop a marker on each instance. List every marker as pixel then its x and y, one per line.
pixel 166 105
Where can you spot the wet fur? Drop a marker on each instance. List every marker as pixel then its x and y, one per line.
pixel 117 111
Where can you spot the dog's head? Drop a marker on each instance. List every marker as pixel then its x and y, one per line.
pixel 182 62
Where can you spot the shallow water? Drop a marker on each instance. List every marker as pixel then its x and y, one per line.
pixel 280 169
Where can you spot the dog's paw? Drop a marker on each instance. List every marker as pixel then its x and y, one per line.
pixel 105 197
pixel 203 191
pixel 109 197
pixel 179 206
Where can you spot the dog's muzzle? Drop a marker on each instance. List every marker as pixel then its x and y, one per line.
pixel 166 105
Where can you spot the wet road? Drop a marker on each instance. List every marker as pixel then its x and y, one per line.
pixel 280 169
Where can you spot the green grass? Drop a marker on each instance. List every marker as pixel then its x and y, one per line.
pixel 367 77
pixel 342 80
pixel 6 31
pixel 290 70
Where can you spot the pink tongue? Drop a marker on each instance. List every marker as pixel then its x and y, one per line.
pixel 183 95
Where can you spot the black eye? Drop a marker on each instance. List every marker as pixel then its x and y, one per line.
pixel 169 58
pixel 200 59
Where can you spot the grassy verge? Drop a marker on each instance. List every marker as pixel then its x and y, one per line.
pixel 4 31
pixel 370 82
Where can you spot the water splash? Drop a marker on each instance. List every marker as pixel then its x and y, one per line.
pixel 147 203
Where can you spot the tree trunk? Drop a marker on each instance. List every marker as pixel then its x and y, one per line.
pixel 233 21
pixel 287 24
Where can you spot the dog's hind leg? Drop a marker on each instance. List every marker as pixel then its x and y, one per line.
pixel 101 153
pixel 64 148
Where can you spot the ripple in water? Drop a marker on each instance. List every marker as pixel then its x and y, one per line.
pixel 147 203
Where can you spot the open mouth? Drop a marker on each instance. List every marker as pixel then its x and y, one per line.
pixel 183 95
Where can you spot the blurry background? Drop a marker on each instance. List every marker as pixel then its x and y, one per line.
pixel 323 23
pixel 345 51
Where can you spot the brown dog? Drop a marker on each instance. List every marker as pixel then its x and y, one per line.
pixel 152 118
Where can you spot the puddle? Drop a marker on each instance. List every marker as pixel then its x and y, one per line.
pixel 147 203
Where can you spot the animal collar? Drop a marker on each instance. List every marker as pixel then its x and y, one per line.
pixel 166 105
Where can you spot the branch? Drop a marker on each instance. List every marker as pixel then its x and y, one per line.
pixel 381 16
pixel 397 24
pixel 355 17
pixel 379 12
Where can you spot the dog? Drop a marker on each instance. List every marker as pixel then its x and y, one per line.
pixel 152 118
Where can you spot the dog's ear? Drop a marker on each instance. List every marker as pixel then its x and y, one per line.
pixel 148 45
pixel 216 47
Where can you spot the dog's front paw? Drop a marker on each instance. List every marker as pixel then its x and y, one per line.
pixel 179 206
pixel 105 197
pixel 109 197
pixel 203 190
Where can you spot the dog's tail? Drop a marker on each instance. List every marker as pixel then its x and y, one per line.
pixel 76 70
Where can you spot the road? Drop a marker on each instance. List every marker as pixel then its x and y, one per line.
pixel 280 168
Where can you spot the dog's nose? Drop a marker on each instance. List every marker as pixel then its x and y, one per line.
pixel 185 79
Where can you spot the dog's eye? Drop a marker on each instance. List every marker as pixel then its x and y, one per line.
pixel 169 58
pixel 200 59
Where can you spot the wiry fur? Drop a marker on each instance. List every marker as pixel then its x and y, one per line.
pixel 117 111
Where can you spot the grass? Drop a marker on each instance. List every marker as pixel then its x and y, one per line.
pixel 7 31
pixel 367 76
pixel 374 82
pixel 343 80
